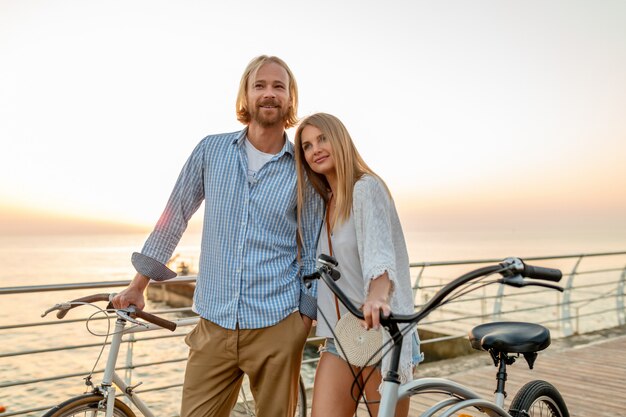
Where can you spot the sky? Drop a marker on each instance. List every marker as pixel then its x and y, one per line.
pixel 484 114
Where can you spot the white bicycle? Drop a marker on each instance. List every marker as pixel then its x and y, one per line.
pixel 104 399
pixel 505 341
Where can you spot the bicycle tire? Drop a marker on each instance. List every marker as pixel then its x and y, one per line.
pixel 302 405
pixel 537 398
pixel 77 406
pixel 246 405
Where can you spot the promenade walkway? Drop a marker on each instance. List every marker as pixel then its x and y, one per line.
pixel 588 370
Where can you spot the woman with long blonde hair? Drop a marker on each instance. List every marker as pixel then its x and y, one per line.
pixel 363 232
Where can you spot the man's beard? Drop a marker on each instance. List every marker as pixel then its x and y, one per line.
pixel 279 117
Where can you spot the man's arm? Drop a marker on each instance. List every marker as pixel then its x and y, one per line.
pixel 186 197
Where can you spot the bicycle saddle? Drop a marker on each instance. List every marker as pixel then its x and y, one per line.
pixel 510 337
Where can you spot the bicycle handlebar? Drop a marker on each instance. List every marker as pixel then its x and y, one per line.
pixel 133 312
pixel 66 307
pixel 513 271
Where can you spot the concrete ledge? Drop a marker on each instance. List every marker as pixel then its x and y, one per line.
pixel 173 294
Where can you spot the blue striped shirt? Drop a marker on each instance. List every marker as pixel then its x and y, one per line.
pixel 248 272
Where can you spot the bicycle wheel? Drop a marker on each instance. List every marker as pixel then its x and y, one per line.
pixel 245 405
pixel 538 398
pixel 87 405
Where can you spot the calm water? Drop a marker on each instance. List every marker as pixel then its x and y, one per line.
pixel 67 259
pixel 35 260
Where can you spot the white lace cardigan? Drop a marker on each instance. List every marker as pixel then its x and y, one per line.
pixel 381 247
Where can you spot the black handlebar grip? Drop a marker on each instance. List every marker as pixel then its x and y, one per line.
pixel 328 259
pixel 539 272
pixel 308 279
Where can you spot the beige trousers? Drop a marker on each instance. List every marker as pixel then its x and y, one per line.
pixel 219 358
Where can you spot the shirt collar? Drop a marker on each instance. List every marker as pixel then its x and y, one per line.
pixel 287 147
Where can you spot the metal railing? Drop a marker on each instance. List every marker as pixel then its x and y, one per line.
pixel 593 296
pixel 593 299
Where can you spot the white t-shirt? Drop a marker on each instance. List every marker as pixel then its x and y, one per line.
pixel 345 249
pixel 256 160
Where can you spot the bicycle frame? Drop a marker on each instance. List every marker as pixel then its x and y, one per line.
pixel 463 397
pixel 112 379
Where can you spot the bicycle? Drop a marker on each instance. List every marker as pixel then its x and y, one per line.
pixel 505 341
pixel 103 400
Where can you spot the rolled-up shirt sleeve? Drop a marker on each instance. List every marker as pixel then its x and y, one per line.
pixel 151 268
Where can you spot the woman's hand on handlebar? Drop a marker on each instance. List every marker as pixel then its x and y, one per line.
pixel 133 294
pixel 377 302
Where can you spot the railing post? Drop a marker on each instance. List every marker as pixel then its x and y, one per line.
pixel 619 299
pixel 497 304
pixel 566 307
pixel 417 283
pixel 559 324
pixel 483 306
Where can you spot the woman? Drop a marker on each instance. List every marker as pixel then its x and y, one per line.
pixel 363 232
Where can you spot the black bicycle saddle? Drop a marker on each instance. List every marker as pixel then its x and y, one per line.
pixel 510 337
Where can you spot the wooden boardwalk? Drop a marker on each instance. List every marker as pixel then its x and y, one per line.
pixel 590 376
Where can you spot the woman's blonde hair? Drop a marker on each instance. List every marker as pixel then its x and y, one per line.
pixel 241 106
pixel 349 165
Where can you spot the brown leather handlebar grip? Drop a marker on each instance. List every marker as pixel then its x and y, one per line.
pixel 88 299
pixel 169 325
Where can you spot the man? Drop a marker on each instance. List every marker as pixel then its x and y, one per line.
pixel 255 313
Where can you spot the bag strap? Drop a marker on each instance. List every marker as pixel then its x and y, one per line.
pixel 330 248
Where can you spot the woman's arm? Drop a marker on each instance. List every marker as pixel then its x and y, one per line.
pixel 371 211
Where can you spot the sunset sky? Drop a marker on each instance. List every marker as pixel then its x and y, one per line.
pixel 475 113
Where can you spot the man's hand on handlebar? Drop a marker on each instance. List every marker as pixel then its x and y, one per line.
pixel 133 294
pixel 129 296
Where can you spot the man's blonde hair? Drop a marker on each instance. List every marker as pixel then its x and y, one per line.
pixel 243 113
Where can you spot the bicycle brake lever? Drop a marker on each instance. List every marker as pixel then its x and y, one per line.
pixel 62 306
pixel 518 281
pixel 514 281
pixel 126 315
pixel 546 285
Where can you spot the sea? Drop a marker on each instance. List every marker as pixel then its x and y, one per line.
pixel 77 258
